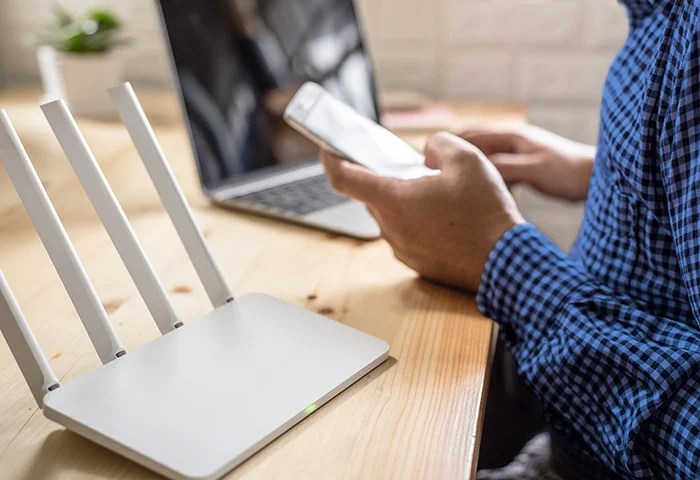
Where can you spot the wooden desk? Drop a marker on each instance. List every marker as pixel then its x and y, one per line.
pixel 417 416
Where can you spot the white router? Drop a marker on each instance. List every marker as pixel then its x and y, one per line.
pixel 204 397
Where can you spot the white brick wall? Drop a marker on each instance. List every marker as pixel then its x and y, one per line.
pixel 529 23
pixel 550 54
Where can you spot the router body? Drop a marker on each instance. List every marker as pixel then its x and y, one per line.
pixel 203 397
pixel 200 400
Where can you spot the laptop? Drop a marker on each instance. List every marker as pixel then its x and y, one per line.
pixel 237 64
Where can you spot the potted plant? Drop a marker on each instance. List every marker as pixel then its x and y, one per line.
pixel 78 60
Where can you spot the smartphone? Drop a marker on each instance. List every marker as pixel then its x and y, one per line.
pixel 333 125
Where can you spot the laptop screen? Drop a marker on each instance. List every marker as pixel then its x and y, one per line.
pixel 239 62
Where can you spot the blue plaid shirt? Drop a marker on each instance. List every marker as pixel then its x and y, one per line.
pixel 609 336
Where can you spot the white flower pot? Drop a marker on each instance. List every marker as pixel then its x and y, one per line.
pixel 81 80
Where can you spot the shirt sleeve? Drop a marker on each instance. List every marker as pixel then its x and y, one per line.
pixel 679 165
pixel 620 383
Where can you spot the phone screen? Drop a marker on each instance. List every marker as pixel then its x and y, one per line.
pixel 363 141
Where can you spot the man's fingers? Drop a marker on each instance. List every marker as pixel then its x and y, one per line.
pixel 491 142
pixel 444 151
pixel 355 181
pixel 514 168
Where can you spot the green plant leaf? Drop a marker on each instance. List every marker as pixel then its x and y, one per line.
pixel 105 20
pixel 93 33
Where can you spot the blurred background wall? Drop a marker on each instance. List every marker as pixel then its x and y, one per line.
pixel 552 55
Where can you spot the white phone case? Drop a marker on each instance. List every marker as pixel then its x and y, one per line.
pixel 331 124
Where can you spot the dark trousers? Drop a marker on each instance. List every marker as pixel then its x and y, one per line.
pixel 512 414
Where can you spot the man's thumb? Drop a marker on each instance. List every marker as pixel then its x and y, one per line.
pixel 444 150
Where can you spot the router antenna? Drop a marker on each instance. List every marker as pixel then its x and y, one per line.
pixel 170 194
pixel 24 347
pixel 55 239
pixel 110 212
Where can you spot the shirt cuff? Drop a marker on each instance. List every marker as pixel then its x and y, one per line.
pixel 525 280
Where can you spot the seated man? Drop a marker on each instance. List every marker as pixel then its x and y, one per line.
pixel 608 338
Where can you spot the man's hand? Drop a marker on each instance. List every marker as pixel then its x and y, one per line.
pixel 445 226
pixel 527 154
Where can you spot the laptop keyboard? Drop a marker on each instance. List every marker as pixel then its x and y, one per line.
pixel 301 197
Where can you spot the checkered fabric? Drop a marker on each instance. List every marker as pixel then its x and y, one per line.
pixel 609 337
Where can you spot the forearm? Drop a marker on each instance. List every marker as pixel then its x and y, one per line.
pixel 569 174
pixel 583 169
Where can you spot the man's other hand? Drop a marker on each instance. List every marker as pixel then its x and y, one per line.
pixel 552 164
pixel 445 226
